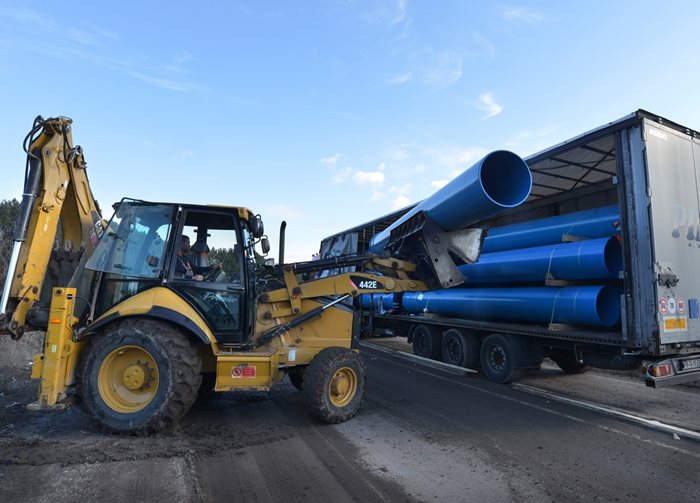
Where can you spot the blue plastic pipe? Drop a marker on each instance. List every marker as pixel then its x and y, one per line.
pixel 597 223
pixel 377 301
pixel 500 180
pixel 593 259
pixel 595 306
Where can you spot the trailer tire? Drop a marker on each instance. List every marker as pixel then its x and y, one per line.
pixel 460 348
pixel 334 385
pixel 427 341
pixel 569 365
pixel 139 377
pixel 296 377
pixel 499 354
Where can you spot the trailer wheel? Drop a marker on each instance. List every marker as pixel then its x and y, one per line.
pixel 296 377
pixel 334 385
pixel 460 348
pixel 569 364
pixel 426 341
pixel 140 376
pixel 499 353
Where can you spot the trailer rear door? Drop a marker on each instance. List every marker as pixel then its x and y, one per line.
pixel 673 164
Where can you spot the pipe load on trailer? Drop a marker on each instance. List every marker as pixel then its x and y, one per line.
pixel 594 306
pixel 589 260
pixel 595 223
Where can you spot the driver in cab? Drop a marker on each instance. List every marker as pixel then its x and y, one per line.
pixel 183 267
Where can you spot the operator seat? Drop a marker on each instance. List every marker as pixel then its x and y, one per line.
pixel 200 256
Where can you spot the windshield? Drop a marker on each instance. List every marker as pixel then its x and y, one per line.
pixel 134 244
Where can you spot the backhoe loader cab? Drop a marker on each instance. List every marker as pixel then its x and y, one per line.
pixel 142 249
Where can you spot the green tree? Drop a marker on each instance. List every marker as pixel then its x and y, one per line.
pixel 9 208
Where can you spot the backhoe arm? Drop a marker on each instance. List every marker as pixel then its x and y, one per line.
pixel 59 223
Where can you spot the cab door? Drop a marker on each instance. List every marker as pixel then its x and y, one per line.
pixel 216 285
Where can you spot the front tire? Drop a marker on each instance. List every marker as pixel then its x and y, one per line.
pixel 140 376
pixel 334 385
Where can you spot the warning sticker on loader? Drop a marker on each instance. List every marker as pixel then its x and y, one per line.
pixel 243 372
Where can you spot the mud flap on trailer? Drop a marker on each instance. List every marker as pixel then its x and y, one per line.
pixel 530 354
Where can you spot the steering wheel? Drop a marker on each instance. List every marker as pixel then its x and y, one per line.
pixel 212 273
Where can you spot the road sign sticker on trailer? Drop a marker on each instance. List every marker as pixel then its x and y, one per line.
pixel 675 324
pixel 671 305
pixel 663 306
pixel 680 305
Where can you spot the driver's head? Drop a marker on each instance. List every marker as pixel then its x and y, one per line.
pixel 184 244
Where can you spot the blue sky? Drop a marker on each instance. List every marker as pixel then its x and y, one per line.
pixel 330 113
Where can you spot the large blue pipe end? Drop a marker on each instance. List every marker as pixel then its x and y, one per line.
pixel 499 181
pixel 505 178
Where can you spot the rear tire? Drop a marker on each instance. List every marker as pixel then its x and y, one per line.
pixel 499 354
pixel 569 364
pixel 334 385
pixel 140 376
pixel 460 348
pixel 426 341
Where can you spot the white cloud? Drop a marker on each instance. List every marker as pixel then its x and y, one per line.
pixel 445 71
pixel 488 104
pixel 523 14
pixel 401 79
pixel 331 160
pixel 373 178
pixel 438 184
pixel 400 11
pixel 399 202
pixel 342 176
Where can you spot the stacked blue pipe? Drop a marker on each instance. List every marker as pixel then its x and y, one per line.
pixel 589 260
pixel 596 223
pixel 594 306
pixel 499 181
pixel 380 302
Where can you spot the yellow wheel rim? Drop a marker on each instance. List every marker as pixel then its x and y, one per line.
pixel 128 379
pixel 343 387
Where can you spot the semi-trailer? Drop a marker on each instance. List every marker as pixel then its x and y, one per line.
pixel 599 267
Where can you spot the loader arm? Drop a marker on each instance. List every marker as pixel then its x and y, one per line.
pixel 58 226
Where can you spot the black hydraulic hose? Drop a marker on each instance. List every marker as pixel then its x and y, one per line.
pixel 32 185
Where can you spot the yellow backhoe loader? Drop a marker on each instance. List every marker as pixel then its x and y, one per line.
pixel 137 323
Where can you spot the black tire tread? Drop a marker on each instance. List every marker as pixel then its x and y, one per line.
pixel 317 378
pixel 186 378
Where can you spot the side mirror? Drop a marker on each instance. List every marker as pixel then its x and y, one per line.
pixel 265 245
pixel 257 228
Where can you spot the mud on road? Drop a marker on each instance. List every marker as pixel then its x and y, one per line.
pixel 230 446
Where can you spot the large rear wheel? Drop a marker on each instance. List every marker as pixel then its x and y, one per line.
pixel 139 376
pixel 334 385
pixel 461 348
pixel 499 354
pixel 426 341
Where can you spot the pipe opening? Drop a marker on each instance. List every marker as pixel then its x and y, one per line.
pixel 607 304
pixel 613 257
pixel 505 178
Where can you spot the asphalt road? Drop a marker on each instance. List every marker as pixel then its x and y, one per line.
pixel 423 435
